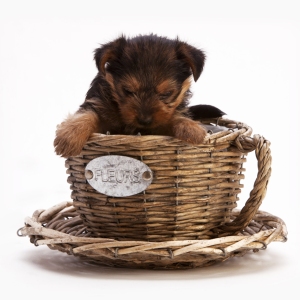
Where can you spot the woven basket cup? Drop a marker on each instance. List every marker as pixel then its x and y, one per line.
pixel 193 192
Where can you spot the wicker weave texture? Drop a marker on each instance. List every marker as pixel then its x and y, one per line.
pixel 193 193
pixel 61 228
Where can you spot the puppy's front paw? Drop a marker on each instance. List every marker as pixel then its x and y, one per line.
pixel 73 133
pixel 189 131
pixel 69 141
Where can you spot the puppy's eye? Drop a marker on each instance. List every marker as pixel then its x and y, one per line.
pixel 164 96
pixel 128 92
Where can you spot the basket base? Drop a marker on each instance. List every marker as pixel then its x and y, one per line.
pixel 60 228
pixel 180 265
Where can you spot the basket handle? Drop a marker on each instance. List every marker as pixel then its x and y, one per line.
pixel 264 159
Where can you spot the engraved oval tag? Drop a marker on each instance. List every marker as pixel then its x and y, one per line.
pixel 118 176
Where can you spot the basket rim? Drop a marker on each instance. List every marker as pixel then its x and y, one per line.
pixel 235 129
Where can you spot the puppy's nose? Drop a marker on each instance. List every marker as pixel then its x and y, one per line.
pixel 145 121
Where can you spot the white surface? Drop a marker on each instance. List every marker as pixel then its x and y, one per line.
pixel 46 66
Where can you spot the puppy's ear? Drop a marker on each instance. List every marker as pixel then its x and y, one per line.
pixel 109 52
pixel 194 57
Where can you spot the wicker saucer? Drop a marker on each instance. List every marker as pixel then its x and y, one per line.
pixel 61 228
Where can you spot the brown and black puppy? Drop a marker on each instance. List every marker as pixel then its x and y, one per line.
pixel 142 87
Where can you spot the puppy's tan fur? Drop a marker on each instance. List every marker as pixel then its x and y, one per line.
pixel 142 87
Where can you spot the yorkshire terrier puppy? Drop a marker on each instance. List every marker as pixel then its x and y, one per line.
pixel 142 86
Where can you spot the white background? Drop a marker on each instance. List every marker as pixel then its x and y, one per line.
pixel 46 66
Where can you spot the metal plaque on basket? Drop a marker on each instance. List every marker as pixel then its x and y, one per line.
pixel 118 176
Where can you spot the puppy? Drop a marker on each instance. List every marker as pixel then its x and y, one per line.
pixel 142 86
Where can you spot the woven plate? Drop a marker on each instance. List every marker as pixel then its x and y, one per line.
pixel 61 228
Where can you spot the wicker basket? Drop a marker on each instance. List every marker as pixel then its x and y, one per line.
pixel 193 192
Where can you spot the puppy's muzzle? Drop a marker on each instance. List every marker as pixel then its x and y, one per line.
pixel 145 120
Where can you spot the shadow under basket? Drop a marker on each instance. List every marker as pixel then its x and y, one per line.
pixel 193 189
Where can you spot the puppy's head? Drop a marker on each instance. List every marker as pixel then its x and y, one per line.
pixel 150 76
